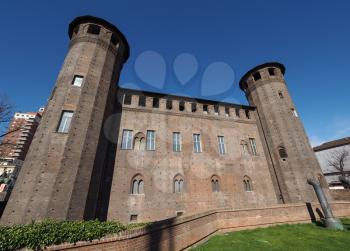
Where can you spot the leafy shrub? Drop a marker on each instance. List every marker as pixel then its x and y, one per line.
pixel 38 235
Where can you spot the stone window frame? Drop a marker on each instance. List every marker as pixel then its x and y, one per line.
pixel 221 145
pixel 247 184
pixel 127 139
pixel 177 142
pixel 78 83
pixel 215 183
pixel 253 146
pixel 137 185
pixel 139 142
pixel 151 140
pixel 178 184
pixel 197 143
pixel 63 119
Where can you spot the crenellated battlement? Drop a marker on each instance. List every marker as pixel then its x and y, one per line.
pixel 184 106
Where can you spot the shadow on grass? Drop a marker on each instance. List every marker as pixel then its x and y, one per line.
pixel 346 226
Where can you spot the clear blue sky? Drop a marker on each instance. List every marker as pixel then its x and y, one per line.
pixel 311 38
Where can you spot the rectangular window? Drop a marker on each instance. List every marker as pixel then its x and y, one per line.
pixel 94 29
pixel 169 104
pixel 237 112
pixel 127 139
pixel 181 106
pixel 272 71
pixel 216 109
pixel 176 142
pixel 155 103
pixel 205 109
pixel 256 76
pixel 151 141
pixel 114 39
pixel 194 107
pixel 227 111
pixel 65 121
pixel 197 143
pixel 142 100
pixel 247 114
pixel 78 80
pixel 133 218
pixel 221 142
pixel 253 146
pixel 127 99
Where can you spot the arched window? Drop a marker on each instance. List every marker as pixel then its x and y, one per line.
pixel 178 184
pixel 139 141
pixel 215 186
pixel 282 152
pixel 247 184
pixel 137 185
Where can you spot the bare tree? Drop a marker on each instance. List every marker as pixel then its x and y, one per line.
pixel 337 160
pixel 6 110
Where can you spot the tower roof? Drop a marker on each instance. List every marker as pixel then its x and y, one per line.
pixel 242 84
pixel 100 21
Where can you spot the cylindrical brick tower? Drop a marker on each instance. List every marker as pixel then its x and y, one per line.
pixel 291 157
pixel 63 170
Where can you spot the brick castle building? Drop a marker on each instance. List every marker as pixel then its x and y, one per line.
pixel 118 154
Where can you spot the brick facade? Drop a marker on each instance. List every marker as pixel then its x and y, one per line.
pixel 84 173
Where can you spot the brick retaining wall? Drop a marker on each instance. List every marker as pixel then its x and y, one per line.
pixel 341 194
pixel 181 233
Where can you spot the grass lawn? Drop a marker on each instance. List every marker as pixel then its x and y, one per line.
pixel 303 237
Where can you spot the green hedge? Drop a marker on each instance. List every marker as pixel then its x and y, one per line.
pixel 38 235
